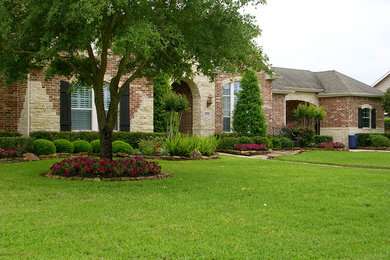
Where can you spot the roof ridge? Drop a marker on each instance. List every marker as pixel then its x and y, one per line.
pixel 274 67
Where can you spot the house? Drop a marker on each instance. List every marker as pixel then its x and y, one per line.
pixel 383 84
pixel 351 106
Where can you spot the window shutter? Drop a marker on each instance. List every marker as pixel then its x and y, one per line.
pixel 360 117
pixel 65 107
pixel 373 118
pixel 124 118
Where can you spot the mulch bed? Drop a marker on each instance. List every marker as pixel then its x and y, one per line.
pixel 79 178
pixel 247 153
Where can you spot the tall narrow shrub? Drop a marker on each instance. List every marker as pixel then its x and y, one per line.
pixel 248 116
pixel 161 88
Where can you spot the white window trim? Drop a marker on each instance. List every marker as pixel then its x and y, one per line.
pixel 232 95
pixel 369 118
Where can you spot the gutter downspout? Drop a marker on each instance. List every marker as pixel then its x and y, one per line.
pixel 28 103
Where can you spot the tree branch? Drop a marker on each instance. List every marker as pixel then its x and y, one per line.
pixel 131 78
pixel 92 60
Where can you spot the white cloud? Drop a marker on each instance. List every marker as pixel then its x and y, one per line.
pixel 351 36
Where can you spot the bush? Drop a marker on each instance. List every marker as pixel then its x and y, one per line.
pixel 334 144
pixel 379 141
pixel 246 147
pixel 181 145
pixel 286 142
pixel 44 147
pixel 262 140
pixel 147 147
pixel 9 153
pixel 64 146
pixel 228 143
pixel 82 146
pixel 23 144
pixel 363 140
pixel 131 138
pixel 276 144
pixel 322 139
pixel 224 135
pixel 387 123
pixel 304 136
pixel 207 145
pixel 103 168
pixel 10 134
pixel 121 147
pixel 95 146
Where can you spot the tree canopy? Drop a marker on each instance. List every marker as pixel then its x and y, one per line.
pixel 386 101
pixel 74 38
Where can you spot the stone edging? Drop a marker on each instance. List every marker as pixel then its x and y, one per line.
pixel 78 178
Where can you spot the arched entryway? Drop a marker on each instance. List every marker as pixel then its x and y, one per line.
pixel 291 105
pixel 186 124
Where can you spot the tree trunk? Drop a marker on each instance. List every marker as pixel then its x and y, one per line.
pixel 106 143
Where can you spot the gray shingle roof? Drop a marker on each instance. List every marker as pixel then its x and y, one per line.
pixel 326 83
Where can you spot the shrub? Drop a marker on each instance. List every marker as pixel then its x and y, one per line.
pixel 181 145
pixel 387 123
pixel 82 146
pixel 85 167
pixel 4 153
pixel 276 144
pixel 63 146
pixel 246 147
pixel 207 145
pixel 262 140
pixel 379 141
pixel 228 143
pixel 248 117
pixel 304 136
pixel 10 134
pixel 147 147
pixel 44 147
pixel 23 144
pixel 160 89
pixel 132 138
pixel 363 140
pixel 286 142
pixel 121 147
pixel 224 135
pixel 322 139
pixel 95 146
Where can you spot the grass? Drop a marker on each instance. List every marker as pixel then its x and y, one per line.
pixel 358 159
pixel 223 209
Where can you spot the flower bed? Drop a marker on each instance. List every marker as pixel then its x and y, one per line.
pixel 334 144
pixel 104 168
pixel 247 147
pixel 4 153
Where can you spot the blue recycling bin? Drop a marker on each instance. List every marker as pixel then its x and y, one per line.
pixel 352 140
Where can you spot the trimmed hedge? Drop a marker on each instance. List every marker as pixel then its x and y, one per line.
pixel 132 138
pixel 44 147
pixel 363 140
pixel 64 146
pixel 379 141
pixel 229 142
pixel 319 139
pixel 23 144
pixel 95 146
pixel 82 146
pixel 10 134
pixel 121 147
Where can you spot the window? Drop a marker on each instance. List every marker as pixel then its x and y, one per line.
pixel 83 114
pixel 366 117
pixel 81 109
pixel 229 101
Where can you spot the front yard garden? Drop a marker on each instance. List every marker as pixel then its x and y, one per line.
pixel 227 208
pixel 358 159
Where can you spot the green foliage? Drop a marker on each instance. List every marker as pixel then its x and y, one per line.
pixel 95 146
pixel 149 37
pixel 276 144
pixel 23 144
pixel 146 147
pixel 132 138
pixel 262 140
pixel 363 140
pixel 181 145
pixel 160 89
pixel 121 147
pixel 207 145
pixel 386 101
pixel 228 142
pixel 302 136
pixel 318 139
pixel 286 142
pixel 82 146
pixel 64 146
pixel 44 147
pixel 379 141
pixel 174 105
pixel 387 123
pixel 309 114
pixel 248 117
pixel 10 134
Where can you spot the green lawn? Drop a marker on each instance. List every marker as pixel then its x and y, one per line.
pixel 223 209
pixel 364 159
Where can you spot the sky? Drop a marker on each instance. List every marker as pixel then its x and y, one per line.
pixel 350 36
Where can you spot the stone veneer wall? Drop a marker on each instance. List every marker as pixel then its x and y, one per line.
pixel 278 113
pixel 266 95
pixel 342 116
pixel 11 106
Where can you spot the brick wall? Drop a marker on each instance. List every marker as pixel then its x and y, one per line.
pixel 11 105
pixel 343 111
pixel 278 110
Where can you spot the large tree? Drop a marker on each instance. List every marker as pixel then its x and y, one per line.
pixel 74 38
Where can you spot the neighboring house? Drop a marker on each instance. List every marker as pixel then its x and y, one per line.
pixel 383 84
pixel 351 106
